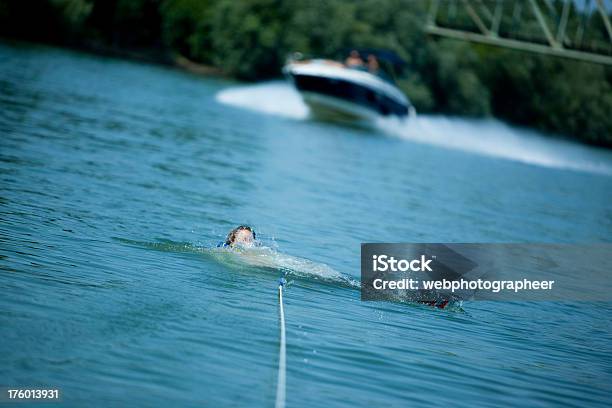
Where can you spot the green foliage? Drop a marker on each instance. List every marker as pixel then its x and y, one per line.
pixel 568 97
pixel 420 94
pixel 250 39
pixel 455 81
pixel 186 25
pixel 246 37
pixel 73 12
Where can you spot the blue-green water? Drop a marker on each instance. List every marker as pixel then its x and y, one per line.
pixel 115 176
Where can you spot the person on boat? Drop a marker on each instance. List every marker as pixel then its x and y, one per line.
pixel 373 65
pixel 242 235
pixel 354 60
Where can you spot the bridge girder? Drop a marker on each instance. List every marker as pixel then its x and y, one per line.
pixel 557 42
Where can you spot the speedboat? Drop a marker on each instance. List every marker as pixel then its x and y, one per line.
pixel 333 90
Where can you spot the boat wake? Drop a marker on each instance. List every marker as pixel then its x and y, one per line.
pixel 486 137
pixel 490 137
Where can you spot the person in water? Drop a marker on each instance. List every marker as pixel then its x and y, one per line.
pixel 242 235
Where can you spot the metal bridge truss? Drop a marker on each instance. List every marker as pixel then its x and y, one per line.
pixel 483 20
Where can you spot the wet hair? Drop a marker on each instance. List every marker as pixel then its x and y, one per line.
pixel 231 237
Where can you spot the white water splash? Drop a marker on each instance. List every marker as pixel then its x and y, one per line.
pixel 266 257
pixel 276 98
pixel 490 137
pixel 487 137
pixel 257 256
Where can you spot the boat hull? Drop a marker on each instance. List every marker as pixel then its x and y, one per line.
pixel 331 89
pixel 336 109
pixel 346 97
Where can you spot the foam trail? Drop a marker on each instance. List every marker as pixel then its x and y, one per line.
pixel 490 137
pixel 277 98
pixel 266 257
pixel 258 256
pixel 486 137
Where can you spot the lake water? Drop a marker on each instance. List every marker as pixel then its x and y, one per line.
pixel 117 177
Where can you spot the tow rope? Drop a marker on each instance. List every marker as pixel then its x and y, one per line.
pixel 282 353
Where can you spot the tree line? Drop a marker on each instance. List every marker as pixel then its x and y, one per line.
pixel 251 39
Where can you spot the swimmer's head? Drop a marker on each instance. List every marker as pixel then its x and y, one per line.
pixel 242 235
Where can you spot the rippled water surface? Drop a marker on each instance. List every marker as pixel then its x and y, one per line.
pixel 117 177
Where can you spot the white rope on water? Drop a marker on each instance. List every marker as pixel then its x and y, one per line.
pixel 282 355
